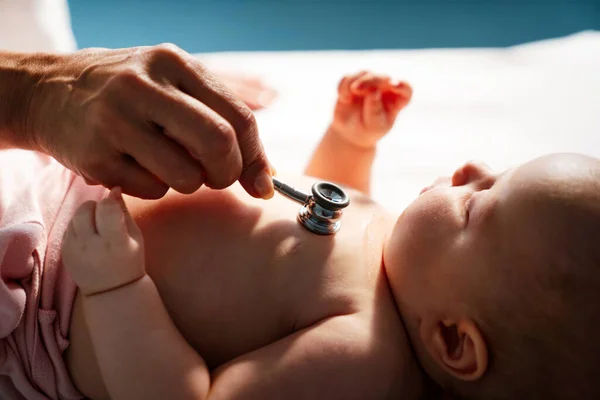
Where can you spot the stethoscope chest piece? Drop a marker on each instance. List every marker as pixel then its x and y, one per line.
pixel 320 213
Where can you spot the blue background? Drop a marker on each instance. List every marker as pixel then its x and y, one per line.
pixel 221 25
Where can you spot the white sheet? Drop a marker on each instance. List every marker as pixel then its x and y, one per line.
pixel 503 106
pixel 36 25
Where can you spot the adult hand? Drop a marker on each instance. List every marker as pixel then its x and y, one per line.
pixel 146 119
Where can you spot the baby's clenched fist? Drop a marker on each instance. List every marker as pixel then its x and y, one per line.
pixel 367 107
pixel 103 248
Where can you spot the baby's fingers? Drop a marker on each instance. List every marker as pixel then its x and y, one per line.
pixel 396 99
pixel 374 115
pixel 403 92
pixel 369 82
pixel 110 220
pixel 132 227
pixel 69 236
pixel 83 223
pixel 345 94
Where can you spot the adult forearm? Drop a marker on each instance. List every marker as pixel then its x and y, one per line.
pixel 20 74
pixel 339 161
pixel 140 352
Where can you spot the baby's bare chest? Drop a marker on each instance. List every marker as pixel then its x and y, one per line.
pixel 237 274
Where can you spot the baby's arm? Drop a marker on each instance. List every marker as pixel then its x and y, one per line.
pixel 140 352
pixel 366 109
pixel 334 359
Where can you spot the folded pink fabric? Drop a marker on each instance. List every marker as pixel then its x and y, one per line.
pixel 38 196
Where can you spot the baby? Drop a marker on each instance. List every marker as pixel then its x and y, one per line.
pixel 220 296
pixel 486 283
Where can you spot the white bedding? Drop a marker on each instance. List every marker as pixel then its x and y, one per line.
pixel 503 106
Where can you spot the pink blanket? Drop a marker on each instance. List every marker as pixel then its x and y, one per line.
pixel 38 196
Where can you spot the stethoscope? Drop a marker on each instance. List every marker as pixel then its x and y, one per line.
pixel 320 212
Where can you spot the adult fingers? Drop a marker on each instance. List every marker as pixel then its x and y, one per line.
pixel 124 171
pixel 155 95
pixel 199 83
pixel 161 156
pixel 205 134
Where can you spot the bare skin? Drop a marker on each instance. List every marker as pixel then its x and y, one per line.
pixel 269 279
pixel 256 306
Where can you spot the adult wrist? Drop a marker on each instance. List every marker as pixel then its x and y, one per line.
pixel 52 76
pixel 20 74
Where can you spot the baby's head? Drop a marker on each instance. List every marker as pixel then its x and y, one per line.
pixel 497 278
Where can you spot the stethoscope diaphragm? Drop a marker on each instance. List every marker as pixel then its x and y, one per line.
pixel 320 212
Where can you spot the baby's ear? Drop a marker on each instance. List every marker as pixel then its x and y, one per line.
pixel 458 347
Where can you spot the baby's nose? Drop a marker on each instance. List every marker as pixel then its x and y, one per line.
pixel 473 171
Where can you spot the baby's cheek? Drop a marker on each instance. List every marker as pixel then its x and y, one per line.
pixel 408 263
pixel 431 217
pixel 426 231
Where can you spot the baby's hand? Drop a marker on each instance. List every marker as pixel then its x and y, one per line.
pixel 367 107
pixel 103 248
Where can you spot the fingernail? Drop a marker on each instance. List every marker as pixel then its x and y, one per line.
pixel 273 169
pixel 263 185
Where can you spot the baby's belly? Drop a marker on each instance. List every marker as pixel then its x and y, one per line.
pixel 237 273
